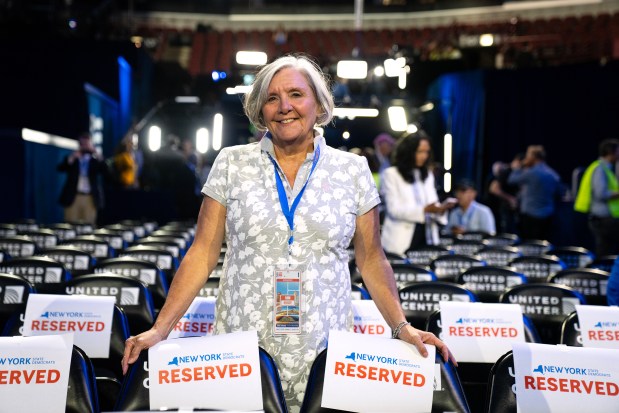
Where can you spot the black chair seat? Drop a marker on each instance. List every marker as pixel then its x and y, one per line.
pixel 449 398
pixel 590 282
pixel 537 269
pixel 419 300
pixel 571 334
pixel 75 260
pixel 501 396
pixel 46 274
pixel 489 282
pixel 425 255
pixel 18 245
pixel 155 254
pixel 14 292
pixel 449 267
pixel 547 305
pixel 135 397
pixel 474 375
pixel 145 271
pixel 499 256
pixel 96 246
pixel 131 295
pixel 82 396
pixel 573 257
pixel 534 247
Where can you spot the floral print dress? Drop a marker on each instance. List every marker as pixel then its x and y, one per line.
pixel 339 190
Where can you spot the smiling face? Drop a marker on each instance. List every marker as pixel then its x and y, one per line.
pixel 291 108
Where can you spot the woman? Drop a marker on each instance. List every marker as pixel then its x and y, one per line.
pixel 332 201
pixel 413 211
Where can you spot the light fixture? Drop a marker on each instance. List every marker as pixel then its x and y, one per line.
pixel 397 118
pixel 352 113
pixel 379 71
pixel 218 122
pixel 187 99
pixel 352 69
pixel 47 139
pixel 202 140
pixel 426 107
pixel 237 90
pixel 251 58
pixel 486 40
pixel 447 144
pixel 402 78
pixel 346 135
pixel 411 128
pixel 154 138
pixel 394 67
pixel 447 182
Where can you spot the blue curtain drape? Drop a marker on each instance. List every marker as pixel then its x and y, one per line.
pixel 459 98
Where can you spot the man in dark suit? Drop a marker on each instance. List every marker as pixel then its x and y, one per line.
pixel 82 193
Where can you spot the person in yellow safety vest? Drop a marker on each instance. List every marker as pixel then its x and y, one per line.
pixel 598 196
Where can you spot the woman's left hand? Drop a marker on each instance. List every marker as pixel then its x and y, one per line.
pixel 420 338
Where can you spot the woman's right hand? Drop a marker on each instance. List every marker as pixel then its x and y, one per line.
pixel 135 344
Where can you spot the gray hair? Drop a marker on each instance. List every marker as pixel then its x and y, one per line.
pixel 255 100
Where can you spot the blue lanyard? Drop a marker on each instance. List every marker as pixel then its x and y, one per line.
pixel 283 199
pixel 466 217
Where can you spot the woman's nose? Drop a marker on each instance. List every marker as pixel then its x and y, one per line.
pixel 284 105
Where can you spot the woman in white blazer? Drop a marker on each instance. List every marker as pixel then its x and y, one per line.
pixel 413 210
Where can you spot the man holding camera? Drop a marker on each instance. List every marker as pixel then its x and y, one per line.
pixel 82 193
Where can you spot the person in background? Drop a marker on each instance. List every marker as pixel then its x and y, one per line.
pixel 82 193
pixel 469 215
pixel 413 211
pixel 286 203
pixel 502 197
pixel 124 165
pixel 540 190
pixel 383 146
pixel 598 196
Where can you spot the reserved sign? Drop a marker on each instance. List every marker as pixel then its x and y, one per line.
pixel 480 332
pixel 368 320
pixel 89 318
pixel 219 372
pixel 198 320
pixel 599 326
pixel 376 374
pixel 34 373
pixel 565 379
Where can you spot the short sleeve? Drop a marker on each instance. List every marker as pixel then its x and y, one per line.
pixel 367 195
pixel 216 185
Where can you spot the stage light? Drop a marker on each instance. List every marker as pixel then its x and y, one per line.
pixel 218 121
pixel 217 75
pixel 238 90
pixel 187 99
pixel 397 118
pixel 154 138
pixel 486 40
pixel 352 69
pixel 447 182
pixel 346 135
pixel 251 58
pixel 379 71
pixel 412 128
pixel 426 107
pixel 202 136
pixel 352 113
pixel 447 144
pixel 394 67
